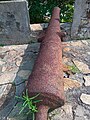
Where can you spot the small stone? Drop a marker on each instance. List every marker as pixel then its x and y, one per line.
pixel 69 84
pixel 79 111
pixel 6 92
pixel 18 61
pixel 87 80
pixel 17 47
pixel 4 68
pixel 67 108
pixel 2 56
pixel 80 118
pixel 88 53
pixel 85 98
pixel 2 62
pixel 64 114
pixel 76 43
pixel 85 42
pixel 7 77
pixel 35 27
pixel 24 74
pixel 66 60
pixel 66 49
pixel 12 53
pixel 65 68
pixel 82 67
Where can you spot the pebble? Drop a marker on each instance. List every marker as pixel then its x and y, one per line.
pixel 7 77
pixel 76 44
pixel 2 62
pixel 66 60
pixel 18 61
pixel 35 27
pixel 85 42
pixel 84 68
pixel 69 84
pixel 63 113
pixel 12 53
pixel 85 98
pixel 80 118
pixel 66 49
pixel 87 80
pixel 88 53
pixel 79 111
pixel 4 68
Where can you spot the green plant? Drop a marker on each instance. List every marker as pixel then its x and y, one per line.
pixel 28 104
pixel 73 68
pixel 67 13
pixel 40 10
pixel 1 45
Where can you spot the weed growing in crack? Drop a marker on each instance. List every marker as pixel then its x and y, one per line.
pixel 73 69
pixel 28 104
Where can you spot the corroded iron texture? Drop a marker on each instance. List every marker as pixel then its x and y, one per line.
pixel 47 75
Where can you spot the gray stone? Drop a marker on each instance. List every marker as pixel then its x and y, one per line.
pixel 80 118
pixel 7 77
pixel 14 22
pixel 7 109
pixel 27 65
pixel 79 111
pixel 4 93
pixel 14 47
pixel 18 80
pixel 85 98
pixel 2 62
pixel 84 68
pixel 4 68
pixel 18 61
pixel 14 115
pixel 88 53
pixel 65 113
pixel 80 23
pixel 87 80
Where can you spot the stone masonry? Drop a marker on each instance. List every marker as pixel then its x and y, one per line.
pixel 81 20
pixel 16 63
pixel 14 22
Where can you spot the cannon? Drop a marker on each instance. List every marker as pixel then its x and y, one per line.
pixel 47 74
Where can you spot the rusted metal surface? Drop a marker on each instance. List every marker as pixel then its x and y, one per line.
pixel 42 34
pixel 47 75
pixel 42 114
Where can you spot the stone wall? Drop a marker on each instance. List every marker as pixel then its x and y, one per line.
pixel 81 20
pixel 14 22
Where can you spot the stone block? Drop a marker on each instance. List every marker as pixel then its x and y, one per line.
pixel 81 25
pixel 14 22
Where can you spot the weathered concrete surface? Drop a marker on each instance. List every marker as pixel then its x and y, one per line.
pixel 14 22
pixel 81 21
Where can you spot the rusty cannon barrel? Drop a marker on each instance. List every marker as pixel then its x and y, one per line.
pixel 47 74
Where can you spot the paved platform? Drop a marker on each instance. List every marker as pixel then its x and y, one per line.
pixel 16 63
pixel 76 59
